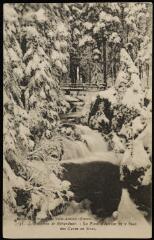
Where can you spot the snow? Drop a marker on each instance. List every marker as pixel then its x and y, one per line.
pixel 57 45
pixel 11 29
pixel 65 185
pixel 118 145
pixel 90 98
pixel 70 98
pixel 6 99
pixel 6 56
pixel 63 44
pixel 28 17
pixel 103 16
pixel 15 182
pixel 76 9
pixel 64 68
pixel 138 159
pixel 128 212
pixel 18 72
pixel 98 26
pixel 86 38
pixel 55 55
pixel 31 145
pixel 44 65
pixel 32 65
pixel 41 52
pixel 137 126
pixel 115 7
pixel 96 51
pixel 116 19
pixel 65 104
pixel 13 55
pixel 17 48
pixel 9 141
pixel 148 51
pixel 132 99
pixel 148 94
pixel 28 53
pixel 39 76
pixel 24 132
pixel 136 82
pixel 62 29
pixel 20 112
pixel 128 83
pixel 40 64
pixel 102 118
pixel 114 37
pixel 95 57
pixel 88 25
pixel 125 58
pixel 10 14
pixel 50 34
pixel 40 15
pixel 66 8
pixel 42 94
pixel 31 32
pixel 106 17
pixel 58 64
pixel 91 4
pixel 109 94
pixel 147 178
pixel 121 78
pixel 41 174
pixel 53 204
pixel 146 137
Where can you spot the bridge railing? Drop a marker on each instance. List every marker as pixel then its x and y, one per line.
pixel 81 86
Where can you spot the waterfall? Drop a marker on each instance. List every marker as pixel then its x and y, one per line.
pixel 93 148
pixel 93 138
pixel 74 149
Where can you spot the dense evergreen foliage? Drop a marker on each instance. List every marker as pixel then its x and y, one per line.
pixel 112 42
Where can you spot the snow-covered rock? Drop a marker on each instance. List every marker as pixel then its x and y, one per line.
pixel 69 98
pixel 127 211
pixel 117 143
pixel 136 157
pixel 137 126
pixel 147 178
pixel 109 94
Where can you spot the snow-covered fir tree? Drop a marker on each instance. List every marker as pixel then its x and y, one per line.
pixel 111 43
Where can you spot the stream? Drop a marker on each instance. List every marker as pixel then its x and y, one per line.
pixel 94 174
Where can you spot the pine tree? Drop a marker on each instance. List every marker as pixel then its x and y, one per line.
pixel 35 59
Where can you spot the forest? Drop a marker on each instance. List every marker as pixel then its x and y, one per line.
pixel 112 45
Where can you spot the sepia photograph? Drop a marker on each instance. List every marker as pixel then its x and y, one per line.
pixel 77 120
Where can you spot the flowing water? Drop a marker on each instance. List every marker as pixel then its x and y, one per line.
pixel 94 174
pixel 92 147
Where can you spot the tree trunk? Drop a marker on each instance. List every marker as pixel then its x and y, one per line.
pixel 77 74
pixel 127 33
pixel 114 71
pixel 140 71
pixel 123 27
pixel 147 74
pixel 104 60
pixel 89 72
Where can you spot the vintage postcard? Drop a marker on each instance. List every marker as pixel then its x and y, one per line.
pixel 77 120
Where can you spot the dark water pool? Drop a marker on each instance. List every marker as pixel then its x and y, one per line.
pixel 98 182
